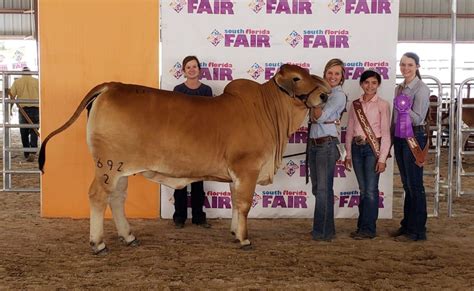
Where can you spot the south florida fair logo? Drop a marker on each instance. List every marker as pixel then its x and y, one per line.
pixel 282 6
pixel 256 199
pixel 361 6
pixel 293 38
pixel 256 5
pixel 320 38
pixel 240 37
pixel 178 5
pixel 176 71
pixel 336 5
pixel 215 37
pixel 203 6
pixel 291 168
pixel 255 71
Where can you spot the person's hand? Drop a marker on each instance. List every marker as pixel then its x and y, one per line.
pixel 380 167
pixel 316 112
pixel 348 164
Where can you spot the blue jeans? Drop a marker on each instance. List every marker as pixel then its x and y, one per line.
pixel 414 208
pixel 364 161
pixel 29 139
pixel 322 162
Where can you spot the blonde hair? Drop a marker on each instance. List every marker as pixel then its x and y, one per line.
pixel 333 63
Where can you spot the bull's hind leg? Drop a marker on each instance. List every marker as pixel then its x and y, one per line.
pixel 117 203
pixel 242 196
pixel 98 203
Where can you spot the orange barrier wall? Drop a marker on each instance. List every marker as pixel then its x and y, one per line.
pixel 83 43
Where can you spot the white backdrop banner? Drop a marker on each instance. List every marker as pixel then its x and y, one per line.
pixel 251 40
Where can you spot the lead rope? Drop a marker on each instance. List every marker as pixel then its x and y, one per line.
pixel 308 141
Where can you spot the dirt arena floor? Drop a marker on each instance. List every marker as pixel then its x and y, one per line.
pixel 39 253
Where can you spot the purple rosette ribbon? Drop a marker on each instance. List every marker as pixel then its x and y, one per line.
pixel 403 127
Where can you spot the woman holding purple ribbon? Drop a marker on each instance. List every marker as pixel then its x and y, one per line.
pixel 411 104
pixel 368 146
pixel 323 153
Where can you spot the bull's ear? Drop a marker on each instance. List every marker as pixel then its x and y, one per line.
pixel 285 81
pixel 325 87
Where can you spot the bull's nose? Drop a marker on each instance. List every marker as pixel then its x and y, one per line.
pixel 324 97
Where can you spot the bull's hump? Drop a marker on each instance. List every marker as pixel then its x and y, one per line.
pixel 237 87
pixel 130 88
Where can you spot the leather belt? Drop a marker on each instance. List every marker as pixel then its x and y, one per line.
pixel 360 140
pixel 419 128
pixel 321 140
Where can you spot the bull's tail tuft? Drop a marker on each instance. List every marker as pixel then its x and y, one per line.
pixel 87 101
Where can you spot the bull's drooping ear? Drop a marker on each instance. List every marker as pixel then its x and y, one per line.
pixel 325 87
pixel 285 80
pixel 319 79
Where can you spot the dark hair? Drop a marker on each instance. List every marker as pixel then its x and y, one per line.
pixel 370 73
pixel 191 58
pixel 336 62
pixel 416 58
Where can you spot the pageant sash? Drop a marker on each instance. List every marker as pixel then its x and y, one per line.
pixel 415 149
pixel 369 132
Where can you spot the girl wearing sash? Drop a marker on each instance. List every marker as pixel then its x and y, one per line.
pixel 323 153
pixel 367 146
pixel 411 106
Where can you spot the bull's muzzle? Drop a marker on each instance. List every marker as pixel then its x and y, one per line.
pixel 324 97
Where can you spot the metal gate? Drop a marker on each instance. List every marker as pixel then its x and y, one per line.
pixel 460 129
pixel 7 126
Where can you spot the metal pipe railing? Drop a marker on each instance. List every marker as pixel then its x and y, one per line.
pixel 460 129
pixel 7 149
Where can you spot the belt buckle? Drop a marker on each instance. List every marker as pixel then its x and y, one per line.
pixel 359 140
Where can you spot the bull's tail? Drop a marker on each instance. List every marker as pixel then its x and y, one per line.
pixel 86 102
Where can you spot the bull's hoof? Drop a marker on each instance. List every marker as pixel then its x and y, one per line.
pixel 246 247
pixel 236 240
pixel 133 243
pixel 98 248
pixel 101 252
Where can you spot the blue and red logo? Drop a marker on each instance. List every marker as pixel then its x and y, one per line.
pixel 255 71
pixel 293 38
pixel 177 70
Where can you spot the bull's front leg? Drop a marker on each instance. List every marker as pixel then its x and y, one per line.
pixel 243 189
pixel 235 213
pixel 98 203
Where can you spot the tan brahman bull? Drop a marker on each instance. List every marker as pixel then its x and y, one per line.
pixel 237 137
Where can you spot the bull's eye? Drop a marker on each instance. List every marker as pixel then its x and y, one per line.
pixel 296 79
